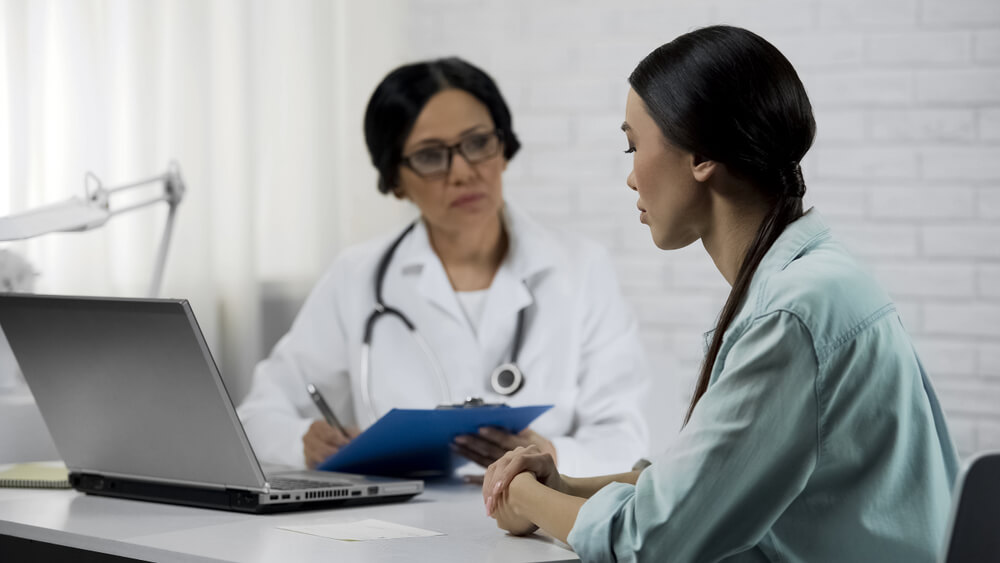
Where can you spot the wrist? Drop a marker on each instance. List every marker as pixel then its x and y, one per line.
pixel 569 485
pixel 518 491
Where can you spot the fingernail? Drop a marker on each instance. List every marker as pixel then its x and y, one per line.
pixel 496 488
pixel 489 506
pixel 461 439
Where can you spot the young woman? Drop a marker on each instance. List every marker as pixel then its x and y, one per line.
pixel 813 434
pixel 503 308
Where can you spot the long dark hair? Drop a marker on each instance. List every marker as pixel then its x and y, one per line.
pixel 403 93
pixel 725 94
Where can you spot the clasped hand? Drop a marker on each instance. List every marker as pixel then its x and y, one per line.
pixel 512 471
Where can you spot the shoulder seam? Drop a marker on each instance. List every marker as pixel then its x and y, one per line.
pixel 828 349
pixel 824 234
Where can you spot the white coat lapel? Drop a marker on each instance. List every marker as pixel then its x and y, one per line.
pixel 433 284
pixel 507 296
pixel 530 253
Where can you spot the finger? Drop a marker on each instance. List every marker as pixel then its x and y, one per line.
pixel 484 448
pixel 471 455
pixel 519 464
pixel 488 480
pixel 503 476
pixel 317 454
pixel 527 433
pixel 353 432
pixel 323 431
pixel 502 438
pixel 473 479
pixel 491 472
pixel 497 505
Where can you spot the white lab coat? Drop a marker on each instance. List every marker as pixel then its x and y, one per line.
pixel 581 349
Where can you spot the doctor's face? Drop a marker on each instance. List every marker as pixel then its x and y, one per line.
pixel 674 205
pixel 464 193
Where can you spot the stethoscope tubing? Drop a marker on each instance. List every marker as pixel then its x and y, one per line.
pixel 381 310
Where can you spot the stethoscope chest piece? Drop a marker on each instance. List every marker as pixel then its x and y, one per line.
pixel 507 379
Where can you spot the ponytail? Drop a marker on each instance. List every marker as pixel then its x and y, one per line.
pixel 786 209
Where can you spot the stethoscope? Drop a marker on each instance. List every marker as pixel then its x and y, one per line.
pixel 506 379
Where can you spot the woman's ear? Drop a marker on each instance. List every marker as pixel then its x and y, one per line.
pixel 702 168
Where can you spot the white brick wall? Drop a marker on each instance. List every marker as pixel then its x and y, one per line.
pixel 906 164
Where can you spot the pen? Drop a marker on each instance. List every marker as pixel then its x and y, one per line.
pixel 324 408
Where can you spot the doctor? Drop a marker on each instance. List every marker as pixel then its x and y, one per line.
pixel 501 307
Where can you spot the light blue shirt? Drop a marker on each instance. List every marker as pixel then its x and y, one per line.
pixel 819 437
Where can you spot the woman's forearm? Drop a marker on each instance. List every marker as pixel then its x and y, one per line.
pixel 586 486
pixel 550 510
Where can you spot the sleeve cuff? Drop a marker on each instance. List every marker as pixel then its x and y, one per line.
pixel 597 523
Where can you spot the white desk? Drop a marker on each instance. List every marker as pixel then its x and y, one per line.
pixel 160 532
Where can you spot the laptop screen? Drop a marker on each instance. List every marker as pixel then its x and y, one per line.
pixel 128 387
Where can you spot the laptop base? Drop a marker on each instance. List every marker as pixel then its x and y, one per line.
pixel 229 499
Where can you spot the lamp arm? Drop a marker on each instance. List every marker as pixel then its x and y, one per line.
pixel 90 213
pixel 146 203
pixel 173 189
pixel 161 254
pixel 173 192
pixel 158 178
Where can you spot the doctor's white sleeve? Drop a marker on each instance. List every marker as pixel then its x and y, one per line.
pixel 277 412
pixel 610 432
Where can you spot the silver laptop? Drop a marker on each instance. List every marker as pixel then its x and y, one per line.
pixel 138 409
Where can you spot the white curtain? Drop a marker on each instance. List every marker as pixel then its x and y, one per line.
pixel 259 102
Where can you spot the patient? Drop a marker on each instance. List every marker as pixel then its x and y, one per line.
pixel 814 434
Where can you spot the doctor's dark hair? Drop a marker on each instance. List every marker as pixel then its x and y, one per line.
pixel 727 95
pixel 403 93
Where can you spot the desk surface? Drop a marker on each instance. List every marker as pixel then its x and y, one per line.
pixel 161 532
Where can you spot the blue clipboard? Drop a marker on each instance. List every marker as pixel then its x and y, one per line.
pixel 417 442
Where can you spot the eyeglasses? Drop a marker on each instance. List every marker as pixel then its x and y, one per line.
pixel 436 160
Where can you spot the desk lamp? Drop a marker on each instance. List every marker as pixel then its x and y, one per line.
pixel 91 212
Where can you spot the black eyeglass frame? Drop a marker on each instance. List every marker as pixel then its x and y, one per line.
pixel 452 149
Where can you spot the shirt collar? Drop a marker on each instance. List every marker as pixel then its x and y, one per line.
pixel 798 237
pixel 531 249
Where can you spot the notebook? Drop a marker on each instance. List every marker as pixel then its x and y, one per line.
pixel 138 409
pixel 36 475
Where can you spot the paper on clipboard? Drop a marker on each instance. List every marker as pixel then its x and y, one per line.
pixel 417 442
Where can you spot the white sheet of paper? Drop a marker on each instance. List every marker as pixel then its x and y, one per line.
pixel 362 530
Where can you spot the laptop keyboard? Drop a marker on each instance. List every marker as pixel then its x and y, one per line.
pixel 291 484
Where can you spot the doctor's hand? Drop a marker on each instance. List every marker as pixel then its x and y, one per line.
pixel 322 441
pixel 492 443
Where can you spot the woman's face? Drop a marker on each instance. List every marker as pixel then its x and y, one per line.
pixel 671 200
pixel 467 193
